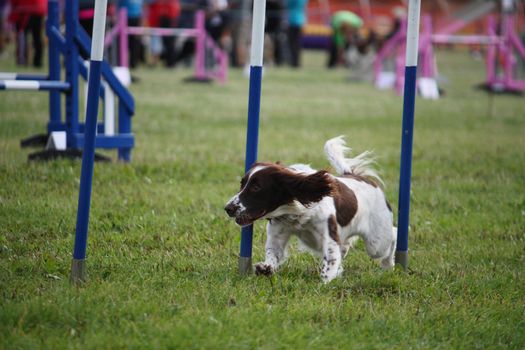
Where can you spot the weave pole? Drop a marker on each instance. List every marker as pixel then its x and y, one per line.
pixel 409 100
pixel 78 271
pixel 254 106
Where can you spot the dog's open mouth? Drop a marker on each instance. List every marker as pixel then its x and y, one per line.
pixel 245 220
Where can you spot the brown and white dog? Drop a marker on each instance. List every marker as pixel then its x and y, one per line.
pixel 326 212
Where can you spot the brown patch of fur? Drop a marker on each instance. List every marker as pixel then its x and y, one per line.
pixel 307 189
pixel 345 203
pixel 332 229
pixel 368 180
pixel 276 185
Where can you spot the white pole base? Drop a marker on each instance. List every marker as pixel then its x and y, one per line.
pixel 78 271
pixel 402 259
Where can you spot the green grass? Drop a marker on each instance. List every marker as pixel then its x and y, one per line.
pixel 162 255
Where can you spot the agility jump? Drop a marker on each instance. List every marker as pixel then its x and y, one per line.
pixel 204 44
pixel 502 54
pixel 72 45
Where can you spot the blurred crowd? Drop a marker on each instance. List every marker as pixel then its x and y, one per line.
pixel 227 23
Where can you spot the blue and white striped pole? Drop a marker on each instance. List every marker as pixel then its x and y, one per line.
pixel 412 46
pixel 34 85
pixel 254 104
pixel 78 272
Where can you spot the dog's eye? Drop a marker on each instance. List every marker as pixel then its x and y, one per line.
pixel 255 187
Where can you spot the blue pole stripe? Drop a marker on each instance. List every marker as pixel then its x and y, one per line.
pixel 246 241
pixel 33 85
pixel 406 158
pixel 88 158
pixel 252 140
pixel 53 21
pixel 254 105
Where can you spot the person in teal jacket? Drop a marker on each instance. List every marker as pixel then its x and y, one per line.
pixel 345 27
pixel 296 21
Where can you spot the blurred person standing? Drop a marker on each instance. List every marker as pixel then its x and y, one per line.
pixel 3 34
pixel 274 28
pixel 296 21
pixel 188 8
pixel 217 20
pixel 28 17
pixel 86 12
pixel 154 10
pixel 238 32
pixel 169 15
pixel 134 11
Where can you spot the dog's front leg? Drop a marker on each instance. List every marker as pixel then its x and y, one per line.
pixel 276 240
pixel 332 266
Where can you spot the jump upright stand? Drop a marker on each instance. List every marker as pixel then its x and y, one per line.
pixel 70 47
pixel 254 106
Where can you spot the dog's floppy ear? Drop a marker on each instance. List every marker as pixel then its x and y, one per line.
pixel 307 189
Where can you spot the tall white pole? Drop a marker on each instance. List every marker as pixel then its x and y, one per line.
pixel 254 105
pixel 78 271
pixel 412 46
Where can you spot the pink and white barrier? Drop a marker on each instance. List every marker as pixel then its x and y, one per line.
pixel 205 46
pixel 502 50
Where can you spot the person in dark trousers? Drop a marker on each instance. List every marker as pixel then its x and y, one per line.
pixel 274 11
pixel 3 36
pixel 86 11
pixel 217 20
pixel 134 11
pixel 170 12
pixel 187 20
pixel 28 17
pixel 296 21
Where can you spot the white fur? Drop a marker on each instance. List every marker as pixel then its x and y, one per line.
pixel 373 221
pixel 335 150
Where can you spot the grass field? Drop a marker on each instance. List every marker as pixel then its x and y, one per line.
pixel 162 255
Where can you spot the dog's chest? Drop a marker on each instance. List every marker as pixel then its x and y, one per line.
pixel 306 228
pixel 294 222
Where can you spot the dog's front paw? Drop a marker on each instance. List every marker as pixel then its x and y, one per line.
pixel 327 279
pixel 328 275
pixel 263 269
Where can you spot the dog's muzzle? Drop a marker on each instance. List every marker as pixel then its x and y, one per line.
pixel 231 209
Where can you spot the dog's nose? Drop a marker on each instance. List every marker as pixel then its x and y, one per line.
pixel 231 209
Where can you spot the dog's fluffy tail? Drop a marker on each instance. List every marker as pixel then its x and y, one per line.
pixel 360 165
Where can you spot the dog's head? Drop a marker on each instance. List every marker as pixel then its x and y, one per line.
pixel 266 187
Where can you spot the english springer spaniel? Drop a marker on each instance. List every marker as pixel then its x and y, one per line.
pixel 326 212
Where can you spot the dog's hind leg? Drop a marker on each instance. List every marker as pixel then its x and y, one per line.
pixel 388 261
pixel 380 242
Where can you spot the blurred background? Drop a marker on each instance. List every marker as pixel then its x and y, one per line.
pixel 292 25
